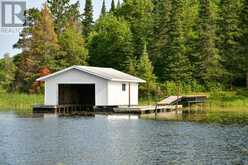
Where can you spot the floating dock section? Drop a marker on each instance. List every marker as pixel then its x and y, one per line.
pixel 144 109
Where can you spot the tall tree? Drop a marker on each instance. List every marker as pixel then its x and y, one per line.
pixel 26 69
pixel 72 47
pixel 103 10
pixel 62 11
pixel 175 65
pixel 87 18
pixel 24 42
pixel 244 39
pixel 132 66
pixel 145 71
pixel 118 6
pixel 110 44
pixel 44 40
pixel 161 17
pixel 207 61
pixel 139 14
pixel 229 33
pixel 112 9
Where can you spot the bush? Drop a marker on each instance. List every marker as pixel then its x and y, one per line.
pixel 172 88
pixel 214 87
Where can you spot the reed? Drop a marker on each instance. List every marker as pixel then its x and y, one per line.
pixel 19 102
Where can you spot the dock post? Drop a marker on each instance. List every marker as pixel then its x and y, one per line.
pixel 156 111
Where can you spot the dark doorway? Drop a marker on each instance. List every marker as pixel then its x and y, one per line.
pixel 80 94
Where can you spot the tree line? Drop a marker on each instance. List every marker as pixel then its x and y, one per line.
pixel 201 43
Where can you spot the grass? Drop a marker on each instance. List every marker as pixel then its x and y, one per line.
pixel 229 101
pixel 18 102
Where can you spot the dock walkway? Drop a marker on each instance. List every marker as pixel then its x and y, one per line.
pixel 145 109
pixel 170 103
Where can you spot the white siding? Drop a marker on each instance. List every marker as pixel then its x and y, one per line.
pixel 134 93
pixel 75 77
pixel 118 97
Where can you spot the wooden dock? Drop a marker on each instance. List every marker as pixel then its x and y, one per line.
pixel 183 100
pixel 145 109
pixel 62 110
pixel 171 103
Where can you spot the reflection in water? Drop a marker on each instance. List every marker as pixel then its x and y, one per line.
pixel 79 141
pixel 123 117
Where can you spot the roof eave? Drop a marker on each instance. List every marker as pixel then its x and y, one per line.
pixel 134 81
pixel 44 78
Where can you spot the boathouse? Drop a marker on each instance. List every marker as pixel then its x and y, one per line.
pixel 84 85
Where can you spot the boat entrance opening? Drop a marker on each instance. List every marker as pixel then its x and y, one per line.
pixel 77 94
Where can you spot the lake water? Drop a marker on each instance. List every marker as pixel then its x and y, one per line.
pixel 104 140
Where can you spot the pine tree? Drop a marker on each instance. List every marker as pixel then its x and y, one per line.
pixel 118 6
pixel 207 64
pixel 159 40
pixel 132 66
pixel 175 65
pixel 103 10
pixel 229 35
pixel 87 18
pixel 44 40
pixel 145 71
pixel 244 40
pixel 139 14
pixel 24 42
pixel 112 9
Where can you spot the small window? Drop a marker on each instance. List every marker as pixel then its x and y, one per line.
pixel 123 87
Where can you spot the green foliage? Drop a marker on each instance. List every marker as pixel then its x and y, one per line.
pixel 229 32
pixel 87 18
pixel 173 88
pixel 145 71
pixel 21 103
pixel 175 65
pixel 112 9
pixel 244 40
pixel 118 6
pixel 161 16
pixel 73 51
pixel 7 73
pixel 63 11
pixel 103 10
pixel 224 100
pixel 189 42
pixel 139 15
pixel 132 66
pixel 32 15
pixel 214 87
pixel 110 44
pixel 208 66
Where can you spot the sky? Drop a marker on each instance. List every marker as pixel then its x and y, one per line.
pixel 8 39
